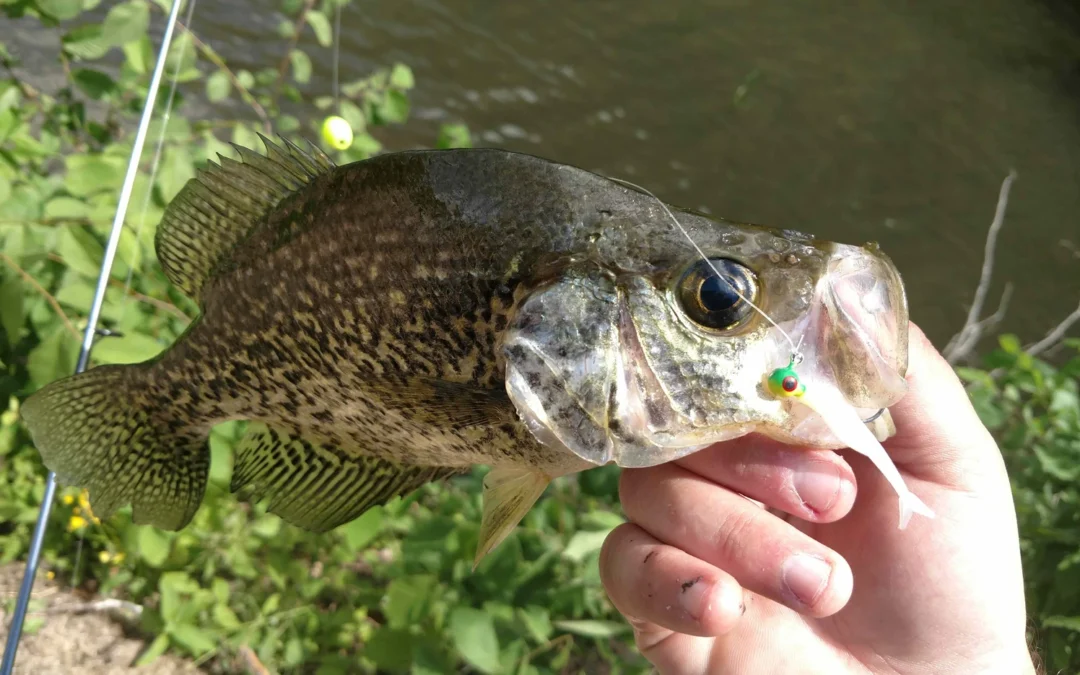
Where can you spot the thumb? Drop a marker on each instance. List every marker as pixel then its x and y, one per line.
pixel 939 436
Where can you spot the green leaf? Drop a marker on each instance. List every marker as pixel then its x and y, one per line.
pixel 156 649
pixel 225 617
pixel 139 55
pixel 1010 344
pixel 585 543
pixel 87 174
pixel 61 10
pixel 1067 622
pixel 220 588
pixel 192 638
pixel 361 531
pixel 86 42
pixel 321 25
pixel 593 629
pixel 390 649
pixel 153 546
pixel 182 59
pixel 294 652
pixel 128 348
pixel 301 65
pixel 177 168
pixel 94 83
pixel 126 22
pixel 80 250
pixel 5 189
pixel 474 637
pixel 245 78
pixel 1059 467
pixel 394 107
pixel 271 604
pixel 11 308
pixel 453 136
pixel 53 358
pixel 537 622
pixel 401 77
pixel 66 207
pixel 407 599
pixel 218 86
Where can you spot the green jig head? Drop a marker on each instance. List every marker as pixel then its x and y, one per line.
pixel 785 383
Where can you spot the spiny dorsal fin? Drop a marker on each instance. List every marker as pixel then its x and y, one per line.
pixel 317 486
pixel 222 203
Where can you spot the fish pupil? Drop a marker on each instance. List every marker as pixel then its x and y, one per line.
pixel 717 294
pixel 790 383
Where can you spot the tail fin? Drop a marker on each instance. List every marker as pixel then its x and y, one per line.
pixel 910 504
pixel 100 430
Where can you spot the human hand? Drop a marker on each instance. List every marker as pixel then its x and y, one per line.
pixel 819 581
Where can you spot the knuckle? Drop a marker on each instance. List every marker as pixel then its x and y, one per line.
pixel 734 534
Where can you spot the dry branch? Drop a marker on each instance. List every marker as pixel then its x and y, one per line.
pixel 99 606
pixel 1056 335
pixel 963 342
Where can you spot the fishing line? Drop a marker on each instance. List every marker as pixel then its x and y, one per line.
pixel 337 55
pixel 37 540
pixel 796 355
pixel 159 147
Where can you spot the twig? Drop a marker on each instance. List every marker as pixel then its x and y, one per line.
pixel 41 289
pixel 283 66
pixel 160 304
pixel 252 661
pixel 212 56
pixel 107 605
pixel 963 342
pixel 116 283
pixel 245 94
pixel 27 91
pixel 999 314
pixel 1055 335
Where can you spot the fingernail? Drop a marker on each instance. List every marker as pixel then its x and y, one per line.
pixel 805 577
pixel 695 597
pixel 818 485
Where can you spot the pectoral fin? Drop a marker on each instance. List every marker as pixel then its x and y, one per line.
pixel 509 493
pixel 317 486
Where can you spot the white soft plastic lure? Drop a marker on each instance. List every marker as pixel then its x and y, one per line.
pixel 844 422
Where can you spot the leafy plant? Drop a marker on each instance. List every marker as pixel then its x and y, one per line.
pixel 1033 409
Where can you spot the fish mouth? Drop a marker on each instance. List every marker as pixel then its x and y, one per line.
pixel 856 334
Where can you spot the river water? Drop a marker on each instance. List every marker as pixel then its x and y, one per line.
pixel 880 120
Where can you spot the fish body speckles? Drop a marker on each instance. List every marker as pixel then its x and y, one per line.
pixel 398 320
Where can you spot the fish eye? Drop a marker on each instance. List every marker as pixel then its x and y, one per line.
pixel 714 301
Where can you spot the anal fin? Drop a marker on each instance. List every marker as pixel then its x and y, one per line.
pixel 317 486
pixel 509 493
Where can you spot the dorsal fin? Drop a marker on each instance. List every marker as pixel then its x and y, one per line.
pixel 222 203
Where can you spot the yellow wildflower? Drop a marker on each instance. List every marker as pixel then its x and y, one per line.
pixel 118 558
pixel 104 556
pixel 84 502
pixel 50 575
pixel 76 522
pixel 68 500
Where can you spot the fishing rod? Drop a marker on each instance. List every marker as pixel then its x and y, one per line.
pixel 34 556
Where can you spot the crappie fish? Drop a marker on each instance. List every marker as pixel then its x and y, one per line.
pixel 400 319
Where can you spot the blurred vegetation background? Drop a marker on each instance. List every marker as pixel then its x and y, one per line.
pixel 392 591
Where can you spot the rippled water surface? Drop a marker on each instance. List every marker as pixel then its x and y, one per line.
pixel 880 120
